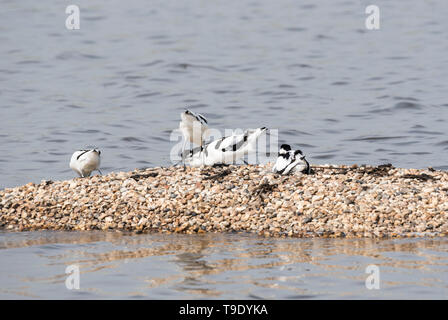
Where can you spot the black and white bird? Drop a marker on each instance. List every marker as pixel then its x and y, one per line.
pixel 83 162
pixel 290 161
pixel 194 128
pixel 225 150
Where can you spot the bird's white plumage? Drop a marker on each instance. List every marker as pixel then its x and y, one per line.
pixel 194 129
pixel 280 164
pixel 193 126
pixel 83 162
pixel 225 150
pixel 290 161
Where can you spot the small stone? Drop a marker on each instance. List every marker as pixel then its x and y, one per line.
pixel 307 220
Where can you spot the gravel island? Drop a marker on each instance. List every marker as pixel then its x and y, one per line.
pixel 347 201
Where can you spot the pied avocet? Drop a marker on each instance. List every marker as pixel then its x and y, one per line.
pixel 194 128
pixel 225 150
pixel 83 162
pixel 290 161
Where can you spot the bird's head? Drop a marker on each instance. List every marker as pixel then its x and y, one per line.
pixel 284 148
pixel 299 154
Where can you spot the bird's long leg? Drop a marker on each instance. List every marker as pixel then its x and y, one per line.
pixel 183 152
pixel 100 172
pixel 202 154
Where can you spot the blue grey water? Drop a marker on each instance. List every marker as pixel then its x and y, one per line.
pixel 218 266
pixel 341 93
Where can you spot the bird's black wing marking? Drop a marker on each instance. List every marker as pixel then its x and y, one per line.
pixel 197 150
pixel 237 145
pixel 290 166
pixel 307 169
pixel 199 117
pixel 219 143
pixel 292 161
pixel 83 152
pixel 284 155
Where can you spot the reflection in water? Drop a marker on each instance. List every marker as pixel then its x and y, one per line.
pixel 218 266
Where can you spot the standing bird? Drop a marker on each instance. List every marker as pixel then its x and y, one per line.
pixel 83 162
pixel 225 150
pixel 290 161
pixel 194 128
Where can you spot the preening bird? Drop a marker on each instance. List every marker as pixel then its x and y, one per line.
pixel 290 161
pixel 83 162
pixel 194 128
pixel 225 150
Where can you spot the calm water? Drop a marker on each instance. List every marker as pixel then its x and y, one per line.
pixel 310 69
pixel 214 266
pixel 341 93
